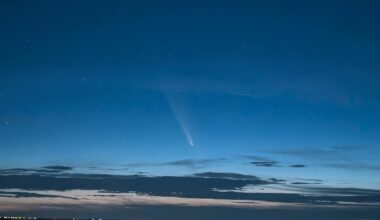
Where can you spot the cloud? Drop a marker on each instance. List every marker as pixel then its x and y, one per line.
pixel 16 171
pixel 275 180
pixel 233 176
pixel 188 163
pixel 300 183
pixel 357 193
pixel 310 153
pixel 207 185
pixel 350 147
pixel 254 157
pixel 337 156
pixel 260 161
pixel 338 153
pixel 58 168
pixel 332 152
pixel 42 170
pixel 22 194
pixel 107 169
pixel 354 166
pixel 297 166
pixel 265 164
pixel 187 186
pixel 314 181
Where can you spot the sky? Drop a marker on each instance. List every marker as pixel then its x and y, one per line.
pixel 277 97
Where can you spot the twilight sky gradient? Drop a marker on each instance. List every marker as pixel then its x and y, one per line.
pixel 281 90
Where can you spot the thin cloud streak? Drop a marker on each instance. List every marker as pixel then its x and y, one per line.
pixel 298 166
pixel 188 163
pixel 265 164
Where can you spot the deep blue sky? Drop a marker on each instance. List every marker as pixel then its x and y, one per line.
pixel 95 84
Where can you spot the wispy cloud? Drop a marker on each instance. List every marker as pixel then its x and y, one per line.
pixel 358 193
pixel 354 166
pixel 300 183
pixel 42 170
pixel 337 156
pixel 188 163
pixel 254 157
pixel 310 153
pixel 29 194
pixel 336 151
pixel 58 168
pixel 265 164
pixel 234 176
pixel 297 166
pixel 259 161
pixel 350 147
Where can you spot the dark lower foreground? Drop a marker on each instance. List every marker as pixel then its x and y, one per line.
pixel 220 213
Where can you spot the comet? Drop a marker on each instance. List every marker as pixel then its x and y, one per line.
pixel 184 129
pixel 177 106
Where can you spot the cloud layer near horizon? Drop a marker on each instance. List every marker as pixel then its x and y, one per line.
pixel 26 190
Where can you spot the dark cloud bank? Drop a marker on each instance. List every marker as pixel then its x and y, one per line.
pixel 200 185
pixel 316 202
